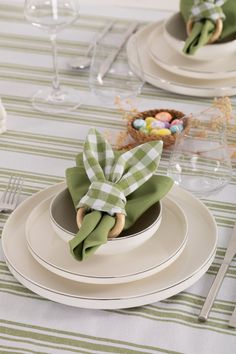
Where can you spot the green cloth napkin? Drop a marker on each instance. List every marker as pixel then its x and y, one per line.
pixel 203 29
pixel 97 224
pixel 112 179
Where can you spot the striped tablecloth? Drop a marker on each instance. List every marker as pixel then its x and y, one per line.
pixel 40 147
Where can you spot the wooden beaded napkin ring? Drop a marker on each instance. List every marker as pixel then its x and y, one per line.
pixel 210 10
pixel 215 35
pixel 114 232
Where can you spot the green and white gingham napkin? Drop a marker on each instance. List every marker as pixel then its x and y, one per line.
pixel 207 9
pixel 130 176
pixel 204 14
pixel 112 180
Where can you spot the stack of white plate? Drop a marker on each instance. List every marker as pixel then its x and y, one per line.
pixel 210 72
pixel 178 254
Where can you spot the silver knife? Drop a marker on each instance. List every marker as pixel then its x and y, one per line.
pixel 100 36
pixel 230 252
pixel 110 59
pixel 84 61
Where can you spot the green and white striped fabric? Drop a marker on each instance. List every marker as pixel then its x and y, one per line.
pixel 113 179
pixel 40 147
pixel 207 9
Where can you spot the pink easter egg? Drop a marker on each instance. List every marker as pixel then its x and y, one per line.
pixel 163 116
pixel 176 122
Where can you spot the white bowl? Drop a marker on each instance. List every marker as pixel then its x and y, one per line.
pixel 63 220
pixel 175 35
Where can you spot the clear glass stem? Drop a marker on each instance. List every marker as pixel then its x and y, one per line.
pixel 55 81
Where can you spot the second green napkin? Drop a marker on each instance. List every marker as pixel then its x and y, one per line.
pixel 203 29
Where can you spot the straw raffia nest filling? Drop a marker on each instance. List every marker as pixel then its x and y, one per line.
pixel 141 137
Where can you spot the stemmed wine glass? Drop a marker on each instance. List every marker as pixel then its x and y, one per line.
pixel 53 16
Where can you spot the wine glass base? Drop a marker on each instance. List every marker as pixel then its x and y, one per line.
pixel 113 99
pixel 200 186
pixel 61 101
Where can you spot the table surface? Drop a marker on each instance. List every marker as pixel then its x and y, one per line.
pixel 40 147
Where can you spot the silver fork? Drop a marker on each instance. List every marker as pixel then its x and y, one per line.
pixel 10 197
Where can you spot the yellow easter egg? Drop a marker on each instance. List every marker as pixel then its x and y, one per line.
pixel 149 120
pixel 155 132
pixel 149 127
pixel 163 132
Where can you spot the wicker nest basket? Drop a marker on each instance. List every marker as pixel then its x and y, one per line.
pixel 141 137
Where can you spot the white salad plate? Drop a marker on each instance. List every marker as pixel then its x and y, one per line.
pixel 170 60
pixel 193 262
pixel 143 65
pixel 158 252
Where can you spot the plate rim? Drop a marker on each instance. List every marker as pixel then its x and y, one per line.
pixel 112 302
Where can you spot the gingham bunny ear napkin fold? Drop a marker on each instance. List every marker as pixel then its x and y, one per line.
pixel 206 17
pixel 105 183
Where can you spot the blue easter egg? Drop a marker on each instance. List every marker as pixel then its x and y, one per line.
pixel 139 123
pixel 175 129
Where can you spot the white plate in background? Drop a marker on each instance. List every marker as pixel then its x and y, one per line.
pixel 159 77
pixel 167 58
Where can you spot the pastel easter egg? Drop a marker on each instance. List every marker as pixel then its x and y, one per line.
pixel 176 122
pixel 154 132
pixel 157 124
pixel 149 120
pixel 176 129
pixel 163 116
pixel 139 123
pixel 144 130
pixel 164 131
pixel 167 125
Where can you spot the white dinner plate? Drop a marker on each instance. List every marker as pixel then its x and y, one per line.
pixel 157 76
pixel 193 262
pixel 154 255
pixel 167 58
